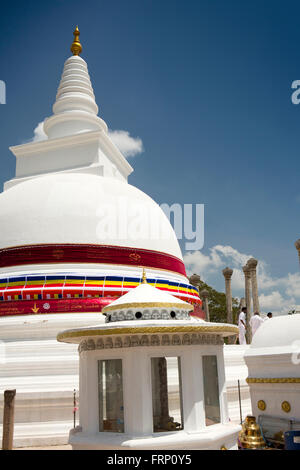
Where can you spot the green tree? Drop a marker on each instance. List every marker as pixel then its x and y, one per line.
pixel 217 305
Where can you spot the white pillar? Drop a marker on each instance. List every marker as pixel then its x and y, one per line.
pixel 92 397
pixel 222 386
pixel 192 391
pixel 137 393
pixel 83 387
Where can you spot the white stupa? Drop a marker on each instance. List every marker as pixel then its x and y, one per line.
pixel 60 262
pixel 71 209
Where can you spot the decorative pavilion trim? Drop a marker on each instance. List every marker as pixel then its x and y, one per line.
pixel 273 380
pixel 216 329
pixel 116 307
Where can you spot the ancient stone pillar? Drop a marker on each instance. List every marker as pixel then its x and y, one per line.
pixel 227 273
pixel 163 393
pixel 247 273
pixel 204 296
pixel 252 263
pixel 297 245
pixel 8 419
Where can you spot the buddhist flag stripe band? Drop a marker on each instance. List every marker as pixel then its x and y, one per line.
pixel 69 286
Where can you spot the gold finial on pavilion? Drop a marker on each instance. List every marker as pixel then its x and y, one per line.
pixel 76 47
pixel 144 277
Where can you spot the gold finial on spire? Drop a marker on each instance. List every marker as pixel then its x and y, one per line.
pixel 144 277
pixel 76 47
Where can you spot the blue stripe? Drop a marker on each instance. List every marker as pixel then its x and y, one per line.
pixel 17 279
pixel 95 278
pixel 52 278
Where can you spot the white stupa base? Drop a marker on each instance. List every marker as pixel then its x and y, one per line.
pixel 211 438
pixel 236 369
pixel 41 434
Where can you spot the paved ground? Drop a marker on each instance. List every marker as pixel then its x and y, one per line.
pixel 66 447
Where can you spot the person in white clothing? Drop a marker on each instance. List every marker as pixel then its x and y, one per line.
pixel 255 322
pixel 242 326
pixel 269 316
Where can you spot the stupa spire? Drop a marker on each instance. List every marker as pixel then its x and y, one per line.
pixel 75 109
pixel 144 277
pixel 76 47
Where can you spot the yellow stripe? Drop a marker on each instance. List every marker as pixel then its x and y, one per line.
pixel 92 283
pixel 75 281
pixel 12 284
pixel 113 283
pixel 54 281
pixel 183 289
pixel 35 283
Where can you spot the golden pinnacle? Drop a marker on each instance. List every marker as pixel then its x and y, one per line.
pixel 76 47
pixel 144 277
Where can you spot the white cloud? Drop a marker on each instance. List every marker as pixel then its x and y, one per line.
pixel 273 301
pixel 38 133
pixel 293 285
pixel 129 146
pixel 197 262
pixel 218 258
pixel 277 294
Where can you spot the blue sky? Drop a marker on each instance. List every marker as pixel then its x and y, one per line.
pixel 206 86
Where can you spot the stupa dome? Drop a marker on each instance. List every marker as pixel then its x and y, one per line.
pixel 283 331
pixel 83 209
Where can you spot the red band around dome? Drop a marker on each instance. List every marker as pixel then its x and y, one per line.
pixel 81 253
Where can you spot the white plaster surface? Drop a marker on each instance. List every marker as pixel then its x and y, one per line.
pixel 76 208
pixel 275 354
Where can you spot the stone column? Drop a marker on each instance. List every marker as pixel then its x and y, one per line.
pixel 8 419
pixel 247 273
pixel 297 245
pixel 252 263
pixel 163 394
pixel 195 280
pixel 227 273
pixel 204 295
